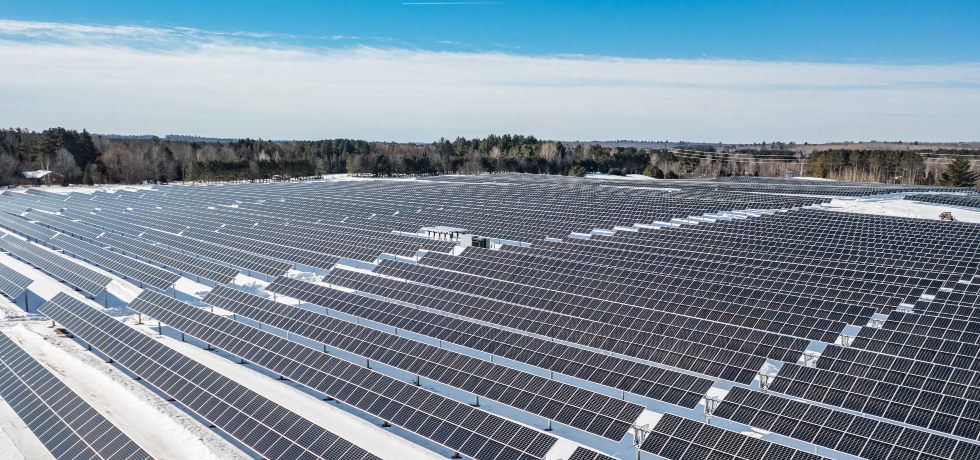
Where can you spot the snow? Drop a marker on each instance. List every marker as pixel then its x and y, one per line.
pixel 813 178
pixel 158 427
pixel 17 441
pixel 896 205
pixel 82 189
pixel 631 177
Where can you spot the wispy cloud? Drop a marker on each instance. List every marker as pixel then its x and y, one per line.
pixel 104 79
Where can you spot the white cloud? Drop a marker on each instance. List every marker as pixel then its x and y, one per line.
pixel 106 79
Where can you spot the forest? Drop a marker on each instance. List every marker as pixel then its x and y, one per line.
pixel 87 159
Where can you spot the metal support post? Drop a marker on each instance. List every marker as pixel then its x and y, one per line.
pixel 710 404
pixel 640 433
pixel 765 379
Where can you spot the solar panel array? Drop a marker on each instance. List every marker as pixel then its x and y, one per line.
pixel 247 261
pixel 12 283
pixel 23 227
pixel 473 432
pixel 128 267
pixel 13 208
pixel 67 425
pixel 969 201
pixel 70 272
pixel 262 425
pixel 735 184
pixel 75 229
pixel 592 284
pixel 678 438
pixel 220 274
pixel 48 202
pixel 855 435
pixel 626 375
pixel 679 342
pixel 577 407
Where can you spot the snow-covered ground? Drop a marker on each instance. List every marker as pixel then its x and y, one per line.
pixel 81 189
pixel 896 206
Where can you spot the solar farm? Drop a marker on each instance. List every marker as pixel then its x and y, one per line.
pixel 491 317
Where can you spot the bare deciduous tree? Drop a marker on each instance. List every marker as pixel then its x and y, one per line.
pixel 125 165
pixel 65 166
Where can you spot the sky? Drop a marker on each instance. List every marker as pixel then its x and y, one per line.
pixel 712 71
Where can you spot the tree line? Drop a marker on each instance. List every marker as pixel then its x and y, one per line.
pixel 83 158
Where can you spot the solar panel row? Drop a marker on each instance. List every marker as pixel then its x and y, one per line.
pixel 577 407
pixel 473 432
pixel 76 229
pixel 262 425
pixel 635 377
pixel 712 293
pixel 23 227
pixel 144 273
pixel 220 274
pixel 72 273
pixel 12 283
pixel 939 399
pixel 247 261
pixel 67 425
pixel 677 438
pixel 855 435
pixel 678 342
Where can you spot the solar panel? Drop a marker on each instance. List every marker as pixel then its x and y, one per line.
pixel 68 426
pixel 666 341
pixel 676 438
pixel 13 284
pixel 262 425
pixel 77 275
pixel 129 268
pixel 583 409
pixel 219 274
pixel 23 227
pixel 838 430
pixel 626 375
pixel 63 225
pixel 582 453
pixel 250 262
pixel 473 432
pixel 12 208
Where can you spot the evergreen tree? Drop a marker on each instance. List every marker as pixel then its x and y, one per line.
pixel 654 172
pixel 84 151
pixel 87 178
pixel 958 174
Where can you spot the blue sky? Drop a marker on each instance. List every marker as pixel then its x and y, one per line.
pixel 698 71
pixel 824 31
